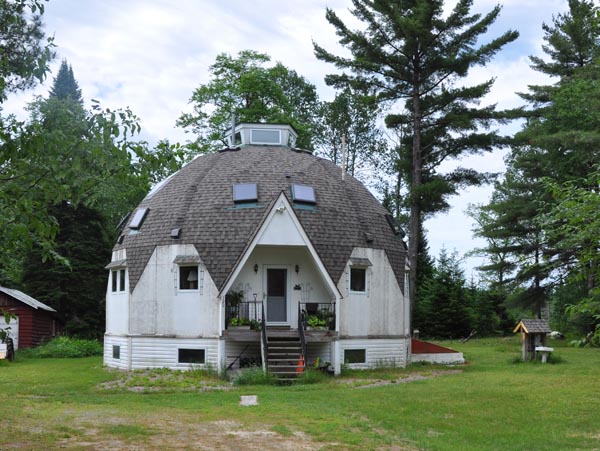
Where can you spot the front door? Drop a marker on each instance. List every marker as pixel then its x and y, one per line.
pixel 276 295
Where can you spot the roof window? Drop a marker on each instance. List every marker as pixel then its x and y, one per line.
pixel 304 194
pixel 138 218
pixel 265 136
pixel 245 192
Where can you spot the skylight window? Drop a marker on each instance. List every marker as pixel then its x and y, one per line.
pixel 138 218
pixel 304 194
pixel 245 192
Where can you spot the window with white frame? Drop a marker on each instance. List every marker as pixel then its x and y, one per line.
pixel 355 356
pixel 358 279
pixel 118 280
pixel 190 277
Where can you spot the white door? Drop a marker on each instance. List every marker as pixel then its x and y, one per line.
pixel 277 305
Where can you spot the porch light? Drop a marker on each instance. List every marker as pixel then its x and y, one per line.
pixel 297 269
pixel 193 276
pixel 256 268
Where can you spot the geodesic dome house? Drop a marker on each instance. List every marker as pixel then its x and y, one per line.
pixel 259 253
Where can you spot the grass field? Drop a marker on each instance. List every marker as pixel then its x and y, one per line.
pixel 492 403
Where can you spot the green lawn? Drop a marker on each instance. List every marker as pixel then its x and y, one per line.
pixel 493 404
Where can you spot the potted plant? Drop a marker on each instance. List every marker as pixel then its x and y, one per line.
pixel 313 322
pixel 239 323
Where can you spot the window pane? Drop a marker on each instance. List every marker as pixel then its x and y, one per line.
pixel 188 277
pixel 116 352
pixel 114 280
pixel 122 281
pixel 266 137
pixel 191 355
pixel 303 193
pixel 358 279
pixel 245 192
pixel 355 356
pixel 138 218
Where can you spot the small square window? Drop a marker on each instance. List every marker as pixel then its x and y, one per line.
pixel 358 279
pixel 245 192
pixel 116 352
pixel 189 277
pixel 121 280
pixel 191 356
pixel 304 194
pixel 355 356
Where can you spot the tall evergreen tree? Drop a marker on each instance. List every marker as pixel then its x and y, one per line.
pixel 65 86
pixel 412 51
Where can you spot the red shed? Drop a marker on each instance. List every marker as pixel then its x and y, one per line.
pixel 36 322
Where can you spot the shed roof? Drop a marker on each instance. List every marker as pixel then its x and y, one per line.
pixel 533 326
pixel 198 199
pixel 26 299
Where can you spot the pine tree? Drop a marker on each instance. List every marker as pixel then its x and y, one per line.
pixel 65 86
pixel 411 51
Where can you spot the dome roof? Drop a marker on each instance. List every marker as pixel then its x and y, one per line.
pixel 198 200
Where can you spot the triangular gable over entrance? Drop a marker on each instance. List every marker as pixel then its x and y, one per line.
pixel 281 227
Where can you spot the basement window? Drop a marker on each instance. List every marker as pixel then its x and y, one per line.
pixel 304 194
pixel 355 356
pixel 116 351
pixel 191 355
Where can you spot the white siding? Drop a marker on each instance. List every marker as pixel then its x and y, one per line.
pixel 234 348
pixel 159 307
pixel 123 361
pixel 381 311
pixel 320 350
pixel 377 352
pixel 154 352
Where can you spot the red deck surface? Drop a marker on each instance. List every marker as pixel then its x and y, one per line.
pixel 423 347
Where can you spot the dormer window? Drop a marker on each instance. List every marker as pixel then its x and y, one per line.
pixel 138 218
pixel 304 194
pixel 245 192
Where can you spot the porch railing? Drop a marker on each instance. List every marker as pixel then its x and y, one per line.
pixel 317 315
pixel 264 343
pixel 301 333
pixel 245 314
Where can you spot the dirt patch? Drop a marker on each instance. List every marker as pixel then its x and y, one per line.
pixel 369 383
pixel 184 434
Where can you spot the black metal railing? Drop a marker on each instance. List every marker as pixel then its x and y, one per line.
pixel 244 314
pixel 317 315
pixel 264 345
pixel 301 333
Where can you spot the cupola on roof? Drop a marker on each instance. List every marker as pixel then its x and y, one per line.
pixel 219 201
pixel 246 134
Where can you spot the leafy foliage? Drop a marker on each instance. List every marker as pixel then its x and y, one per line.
pixel 65 347
pixel 246 87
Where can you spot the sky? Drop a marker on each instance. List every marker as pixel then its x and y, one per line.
pixel 150 55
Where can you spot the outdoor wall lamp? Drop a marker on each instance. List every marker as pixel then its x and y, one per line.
pixel 297 269
pixel 256 268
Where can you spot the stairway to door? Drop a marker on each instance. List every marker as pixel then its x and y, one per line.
pixel 285 360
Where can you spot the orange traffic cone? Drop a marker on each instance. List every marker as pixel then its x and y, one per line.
pixel 300 367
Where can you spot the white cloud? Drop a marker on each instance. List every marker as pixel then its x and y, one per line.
pixel 150 56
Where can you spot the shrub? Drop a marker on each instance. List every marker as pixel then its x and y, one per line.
pixel 312 376
pixel 66 347
pixel 253 375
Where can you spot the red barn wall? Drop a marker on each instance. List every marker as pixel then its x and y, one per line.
pixel 35 325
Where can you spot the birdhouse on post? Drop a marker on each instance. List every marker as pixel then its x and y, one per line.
pixel 533 334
